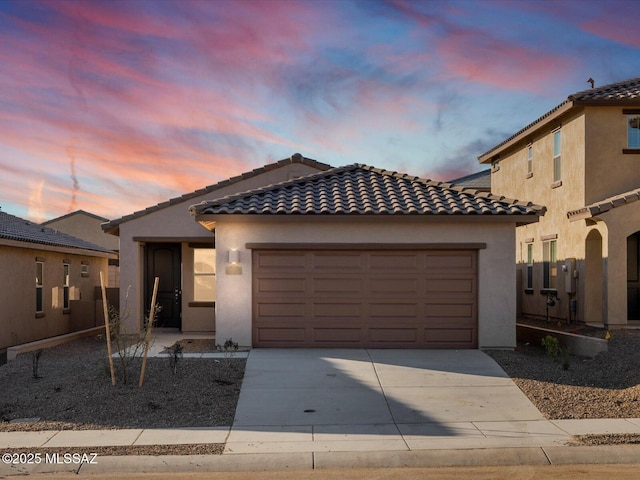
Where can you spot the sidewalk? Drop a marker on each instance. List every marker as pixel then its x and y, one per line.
pixel 533 443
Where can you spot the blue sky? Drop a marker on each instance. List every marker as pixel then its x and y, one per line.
pixel 111 106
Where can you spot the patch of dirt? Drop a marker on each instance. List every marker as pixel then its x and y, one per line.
pixel 74 391
pixel 195 346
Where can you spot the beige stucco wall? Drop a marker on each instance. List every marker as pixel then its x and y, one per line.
pixel 18 320
pixel 593 168
pixel 620 222
pixel 511 180
pixel 87 228
pixel 175 224
pixel 496 289
pixel 609 171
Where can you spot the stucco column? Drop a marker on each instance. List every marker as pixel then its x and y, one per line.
pixel 616 289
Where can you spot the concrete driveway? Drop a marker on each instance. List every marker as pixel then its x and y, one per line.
pixel 357 399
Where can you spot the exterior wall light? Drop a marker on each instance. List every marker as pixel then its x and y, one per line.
pixel 234 256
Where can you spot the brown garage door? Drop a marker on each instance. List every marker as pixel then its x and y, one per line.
pixel 355 298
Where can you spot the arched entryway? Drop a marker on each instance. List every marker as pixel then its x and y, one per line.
pixel 594 278
pixel 633 276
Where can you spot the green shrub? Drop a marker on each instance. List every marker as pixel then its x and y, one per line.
pixel 551 346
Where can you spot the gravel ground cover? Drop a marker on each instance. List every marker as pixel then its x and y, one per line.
pixel 74 390
pixel 606 386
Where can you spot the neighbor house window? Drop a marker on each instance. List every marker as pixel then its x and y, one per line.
pixel 84 269
pixel 633 131
pixel 550 267
pixel 529 159
pixel 557 156
pixel 529 285
pixel 204 274
pixel 39 285
pixel 65 286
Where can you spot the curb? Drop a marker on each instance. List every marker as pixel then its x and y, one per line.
pixel 512 456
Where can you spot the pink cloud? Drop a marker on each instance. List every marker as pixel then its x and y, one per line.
pixel 482 58
pixel 612 25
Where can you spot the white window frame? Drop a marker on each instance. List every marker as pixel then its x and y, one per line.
pixel 550 264
pixel 529 159
pixel 529 268
pixel 557 155
pixel 203 276
pixel 66 284
pixel 39 286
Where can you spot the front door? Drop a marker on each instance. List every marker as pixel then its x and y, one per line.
pixel 163 261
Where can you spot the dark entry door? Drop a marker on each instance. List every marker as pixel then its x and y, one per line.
pixel 163 261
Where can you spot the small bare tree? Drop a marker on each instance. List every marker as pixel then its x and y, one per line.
pixel 129 345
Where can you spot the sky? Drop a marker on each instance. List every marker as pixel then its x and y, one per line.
pixel 114 106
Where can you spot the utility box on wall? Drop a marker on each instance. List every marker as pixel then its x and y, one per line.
pixel 570 275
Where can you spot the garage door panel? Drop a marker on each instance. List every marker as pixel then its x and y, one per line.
pixel 394 261
pixel 448 310
pixel 279 309
pixel 395 285
pixel 337 310
pixel 450 285
pixel 382 299
pixel 279 261
pixel 394 335
pixel 270 285
pixel 335 285
pixel 337 335
pixel 450 261
pixel 393 310
pixel 281 335
pixel 450 335
pixel 340 261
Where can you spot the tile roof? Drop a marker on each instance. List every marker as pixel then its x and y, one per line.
pixel 113 225
pixel 626 92
pixel 363 190
pixel 480 180
pixel 604 205
pixel 21 230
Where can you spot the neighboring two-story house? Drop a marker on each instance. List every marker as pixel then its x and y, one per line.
pixel 581 160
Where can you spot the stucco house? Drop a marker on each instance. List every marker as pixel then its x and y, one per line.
pixel 357 256
pixel 47 282
pixel 582 161
pixel 164 241
pixel 298 253
pixel 88 226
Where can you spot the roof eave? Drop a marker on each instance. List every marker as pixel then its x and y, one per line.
pixel 209 220
pixel 549 117
pixel 57 248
